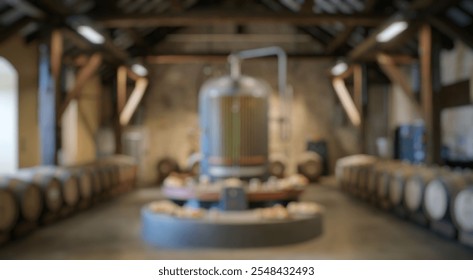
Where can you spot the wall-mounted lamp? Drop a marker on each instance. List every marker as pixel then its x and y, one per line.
pixel 91 34
pixel 339 68
pixel 139 70
pixel 391 31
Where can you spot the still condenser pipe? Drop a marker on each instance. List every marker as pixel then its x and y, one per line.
pixel 234 120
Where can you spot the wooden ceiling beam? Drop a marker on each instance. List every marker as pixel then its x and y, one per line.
pixel 389 66
pixel 342 38
pixel 370 42
pixel 85 73
pixel 451 30
pixel 26 8
pixel 13 29
pixel 219 17
pixel 215 58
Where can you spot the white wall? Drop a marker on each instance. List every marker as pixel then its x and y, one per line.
pixel 9 117
pixel 24 57
pixel 457 123
pixel 80 124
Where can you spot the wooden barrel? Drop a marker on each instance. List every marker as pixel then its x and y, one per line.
pixel 96 177
pixel 310 166
pixel 343 171
pixel 85 183
pixel 397 184
pixel 385 174
pixel 462 210
pixel 50 189
pixel 355 180
pixel 69 183
pixel 106 179
pixel 439 194
pixel 373 181
pixel 28 199
pixel 415 188
pixel 277 168
pixel 345 177
pixel 462 207
pixel 382 188
pixel 363 179
pixel 115 174
pixel 9 210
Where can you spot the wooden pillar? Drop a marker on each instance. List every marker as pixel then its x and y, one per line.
pixel 429 52
pixel 360 96
pixel 121 94
pixel 56 71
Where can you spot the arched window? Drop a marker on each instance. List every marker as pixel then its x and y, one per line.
pixel 8 117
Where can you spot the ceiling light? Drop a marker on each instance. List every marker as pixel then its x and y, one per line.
pixel 391 31
pixel 91 34
pixel 339 68
pixel 139 69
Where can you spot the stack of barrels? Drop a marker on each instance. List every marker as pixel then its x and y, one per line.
pixel 437 197
pixel 41 195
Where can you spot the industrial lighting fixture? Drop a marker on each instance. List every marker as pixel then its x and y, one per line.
pixel 91 34
pixel 139 70
pixel 391 31
pixel 339 68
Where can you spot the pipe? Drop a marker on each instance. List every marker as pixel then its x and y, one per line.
pixel 235 72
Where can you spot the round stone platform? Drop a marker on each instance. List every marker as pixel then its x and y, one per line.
pixel 227 229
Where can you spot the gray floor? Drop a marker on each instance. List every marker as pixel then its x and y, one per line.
pixel 352 230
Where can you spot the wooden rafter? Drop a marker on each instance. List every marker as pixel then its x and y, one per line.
pixel 217 58
pixel 341 38
pixel 347 102
pixel 209 18
pixel 26 8
pixel 133 101
pixel 453 31
pixel 389 66
pixel 85 73
pixel 6 33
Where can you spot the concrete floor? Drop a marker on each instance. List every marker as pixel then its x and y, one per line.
pixel 352 230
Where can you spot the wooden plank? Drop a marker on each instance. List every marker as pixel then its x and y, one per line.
pixel 133 101
pixel 219 17
pixel 84 74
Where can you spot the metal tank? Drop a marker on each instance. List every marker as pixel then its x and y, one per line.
pixel 234 121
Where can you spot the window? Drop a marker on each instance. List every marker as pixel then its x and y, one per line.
pixel 8 117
